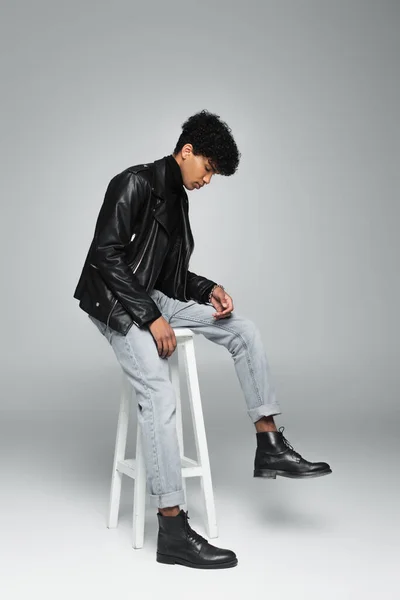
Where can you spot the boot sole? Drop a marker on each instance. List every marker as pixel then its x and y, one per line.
pixel 175 560
pixel 271 474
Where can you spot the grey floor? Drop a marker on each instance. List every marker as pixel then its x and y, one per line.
pixel 333 537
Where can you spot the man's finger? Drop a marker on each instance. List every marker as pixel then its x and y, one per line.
pixel 219 305
pixel 222 313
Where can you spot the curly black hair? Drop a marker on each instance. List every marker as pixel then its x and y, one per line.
pixel 210 137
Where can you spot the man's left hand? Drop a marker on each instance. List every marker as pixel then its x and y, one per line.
pixel 222 302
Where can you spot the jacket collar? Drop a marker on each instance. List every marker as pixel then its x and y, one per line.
pixel 160 189
pixel 159 183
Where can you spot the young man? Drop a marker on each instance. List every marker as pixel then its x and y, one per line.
pixel 136 287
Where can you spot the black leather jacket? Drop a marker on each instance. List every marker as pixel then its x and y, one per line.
pixel 131 252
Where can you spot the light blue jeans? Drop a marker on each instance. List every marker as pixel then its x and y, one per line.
pixel 149 375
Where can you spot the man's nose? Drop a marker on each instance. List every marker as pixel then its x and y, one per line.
pixel 207 178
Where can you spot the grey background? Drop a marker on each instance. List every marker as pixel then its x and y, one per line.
pixel 304 237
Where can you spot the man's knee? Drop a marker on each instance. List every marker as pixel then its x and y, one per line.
pixel 244 332
pixel 246 326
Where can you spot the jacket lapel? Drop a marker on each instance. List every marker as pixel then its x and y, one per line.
pixel 160 190
pixel 187 236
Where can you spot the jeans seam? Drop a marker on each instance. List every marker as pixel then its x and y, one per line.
pixel 245 346
pixel 155 455
pixel 181 309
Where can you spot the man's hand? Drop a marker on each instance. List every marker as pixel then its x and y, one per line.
pixel 164 336
pixel 222 302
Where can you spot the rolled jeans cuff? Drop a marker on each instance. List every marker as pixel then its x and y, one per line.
pixel 167 500
pixel 265 410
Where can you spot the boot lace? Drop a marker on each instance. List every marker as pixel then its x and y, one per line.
pixel 281 429
pixel 191 533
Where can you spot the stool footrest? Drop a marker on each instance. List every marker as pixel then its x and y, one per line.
pixel 190 468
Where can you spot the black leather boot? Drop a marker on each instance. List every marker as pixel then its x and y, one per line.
pixel 275 456
pixel 178 543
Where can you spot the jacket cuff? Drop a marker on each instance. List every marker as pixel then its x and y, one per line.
pixel 208 291
pixel 198 287
pixel 150 321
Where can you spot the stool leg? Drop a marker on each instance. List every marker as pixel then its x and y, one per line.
pixel 200 438
pixel 119 454
pixel 173 363
pixel 139 498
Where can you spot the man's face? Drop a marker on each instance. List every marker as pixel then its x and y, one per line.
pixel 196 170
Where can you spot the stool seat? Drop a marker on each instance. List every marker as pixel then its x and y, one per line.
pixel 135 467
pixel 182 332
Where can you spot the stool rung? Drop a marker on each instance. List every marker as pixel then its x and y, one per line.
pixel 192 472
pixel 190 468
pixel 189 462
pixel 127 467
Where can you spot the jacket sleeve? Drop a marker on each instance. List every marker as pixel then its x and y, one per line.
pixel 198 288
pixel 123 201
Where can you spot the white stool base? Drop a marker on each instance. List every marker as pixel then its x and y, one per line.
pixel 135 467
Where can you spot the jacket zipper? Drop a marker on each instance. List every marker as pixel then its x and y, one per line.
pixel 135 269
pixel 185 271
pixel 184 283
pixel 109 314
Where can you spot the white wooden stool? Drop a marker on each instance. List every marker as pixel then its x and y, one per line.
pixel 135 467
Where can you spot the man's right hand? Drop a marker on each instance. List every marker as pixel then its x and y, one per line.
pixel 164 337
